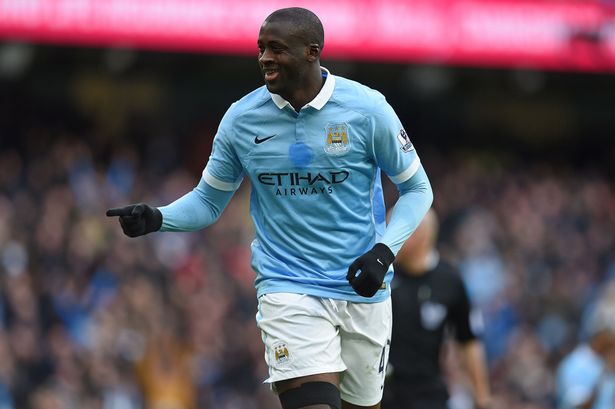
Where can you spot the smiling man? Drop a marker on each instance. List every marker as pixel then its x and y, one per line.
pixel 313 146
pixel 290 42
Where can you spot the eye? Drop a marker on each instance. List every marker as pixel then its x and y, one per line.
pixel 277 49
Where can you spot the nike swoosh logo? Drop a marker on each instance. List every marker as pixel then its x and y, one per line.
pixel 381 263
pixel 258 140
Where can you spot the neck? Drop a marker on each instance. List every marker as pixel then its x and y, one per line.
pixel 308 90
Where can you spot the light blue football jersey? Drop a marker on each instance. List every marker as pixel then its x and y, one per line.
pixel 581 374
pixel 316 200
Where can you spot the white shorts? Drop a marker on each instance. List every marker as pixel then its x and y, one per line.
pixel 307 335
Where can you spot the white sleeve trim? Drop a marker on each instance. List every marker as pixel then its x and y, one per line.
pixel 220 184
pixel 408 173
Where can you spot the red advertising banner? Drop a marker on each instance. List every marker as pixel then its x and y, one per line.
pixel 561 35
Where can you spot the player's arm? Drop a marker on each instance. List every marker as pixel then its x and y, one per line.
pixel 414 201
pixel 473 357
pixel 200 207
pixel 415 198
pixel 394 153
pixel 195 210
pixel 397 157
pixel 468 325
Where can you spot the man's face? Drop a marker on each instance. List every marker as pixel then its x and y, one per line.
pixel 283 58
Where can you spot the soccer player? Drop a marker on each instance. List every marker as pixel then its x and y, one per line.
pixel 429 299
pixel 586 376
pixel 312 145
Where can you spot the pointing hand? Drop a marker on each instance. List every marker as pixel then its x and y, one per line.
pixel 137 219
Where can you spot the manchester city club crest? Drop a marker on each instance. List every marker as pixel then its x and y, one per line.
pixel 280 353
pixel 337 140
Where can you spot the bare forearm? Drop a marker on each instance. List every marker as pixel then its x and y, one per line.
pixel 475 362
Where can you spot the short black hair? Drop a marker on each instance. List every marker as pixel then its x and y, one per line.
pixel 307 24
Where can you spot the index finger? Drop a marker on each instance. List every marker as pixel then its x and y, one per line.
pixel 119 211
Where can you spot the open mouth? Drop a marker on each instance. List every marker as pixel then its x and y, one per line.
pixel 270 74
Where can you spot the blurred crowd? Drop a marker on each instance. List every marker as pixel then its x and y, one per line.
pixel 91 319
pixel 536 249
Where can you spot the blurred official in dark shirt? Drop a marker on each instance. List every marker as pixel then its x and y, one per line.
pixel 429 302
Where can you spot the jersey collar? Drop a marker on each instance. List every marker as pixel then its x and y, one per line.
pixel 319 101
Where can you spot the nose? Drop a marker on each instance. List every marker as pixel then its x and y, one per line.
pixel 265 57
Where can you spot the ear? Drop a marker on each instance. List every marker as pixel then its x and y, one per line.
pixel 313 52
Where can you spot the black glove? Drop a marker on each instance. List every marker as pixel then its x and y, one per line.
pixel 373 266
pixel 137 219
